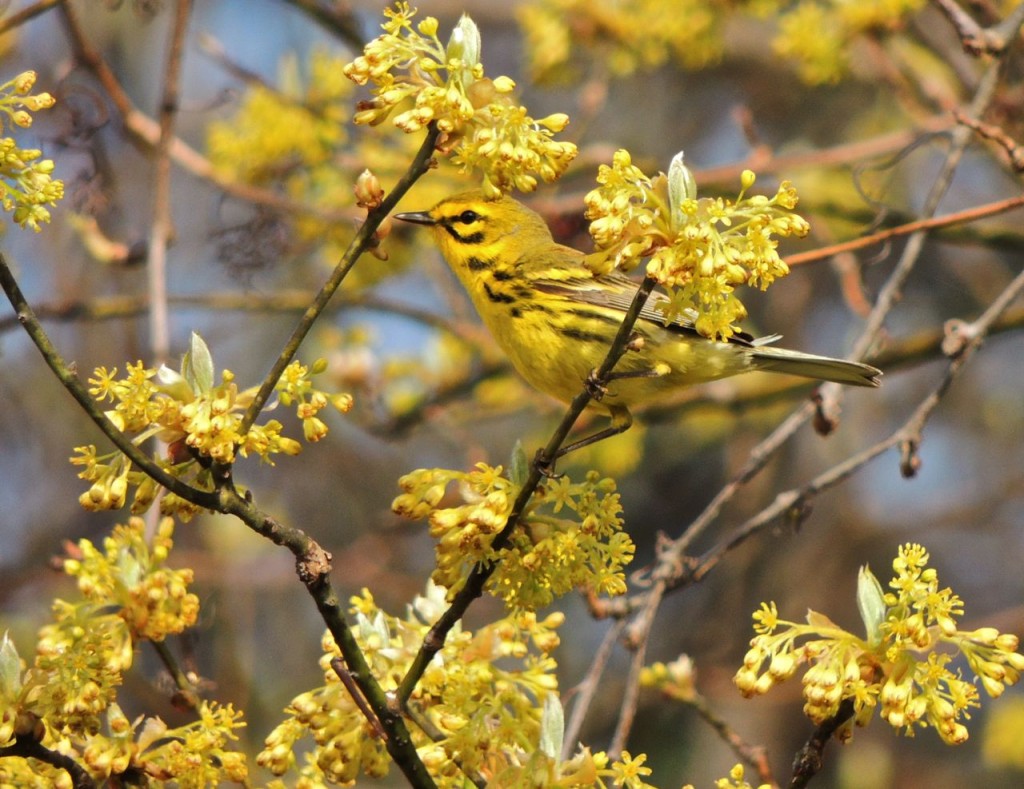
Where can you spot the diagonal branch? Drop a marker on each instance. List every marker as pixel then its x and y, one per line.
pixel 480 574
pixel 313 563
pixel 359 244
pixel 69 378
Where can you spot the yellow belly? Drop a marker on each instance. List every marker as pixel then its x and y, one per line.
pixel 557 353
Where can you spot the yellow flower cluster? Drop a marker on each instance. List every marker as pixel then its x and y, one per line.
pixel 286 131
pixel 152 599
pixel 196 753
pixel 623 36
pixel 547 555
pixel 483 717
pixel 422 81
pixel 901 667
pixel 195 418
pixel 700 249
pixel 818 34
pixel 67 699
pixel 26 184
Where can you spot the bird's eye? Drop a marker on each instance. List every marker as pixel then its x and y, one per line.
pixel 468 217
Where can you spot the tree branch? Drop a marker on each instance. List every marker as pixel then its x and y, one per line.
pixel 540 466
pixel 359 244
pixel 809 759
pixel 29 748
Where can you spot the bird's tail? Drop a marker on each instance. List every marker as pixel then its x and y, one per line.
pixel 780 360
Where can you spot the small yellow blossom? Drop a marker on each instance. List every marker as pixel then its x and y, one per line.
pixel 628 771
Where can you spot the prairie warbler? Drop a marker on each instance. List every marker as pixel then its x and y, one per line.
pixel 556 320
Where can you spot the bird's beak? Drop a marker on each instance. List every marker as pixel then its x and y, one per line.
pixel 417 218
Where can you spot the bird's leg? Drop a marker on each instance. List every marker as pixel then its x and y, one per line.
pixel 655 372
pixel 622 420
pixel 597 388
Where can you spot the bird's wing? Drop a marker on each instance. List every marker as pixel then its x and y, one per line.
pixel 617 292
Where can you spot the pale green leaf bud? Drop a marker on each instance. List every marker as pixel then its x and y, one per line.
pixel 552 726
pixel 464 44
pixel 870 603
pixel 197 365
pixel 681 187
pixel 10 669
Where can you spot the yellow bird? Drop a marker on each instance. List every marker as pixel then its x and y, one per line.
pixel 556 320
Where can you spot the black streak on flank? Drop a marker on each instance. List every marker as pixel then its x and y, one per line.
pixel 584 336
pixel 499 298
pixel 477 264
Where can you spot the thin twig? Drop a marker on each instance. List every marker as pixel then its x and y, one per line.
pixel 360 242
pixel 754 755
pixel 19 18
pixel 919 226
pixel 1014 150
pixel 810 758
pixel 586 690
pixel 978 40
pixel 162 228
pixel 357 697
pixel 630 700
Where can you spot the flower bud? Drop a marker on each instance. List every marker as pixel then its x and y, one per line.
pixel 24 81
pixel 504 84
pixel 555 122
pixel 368 190
pixel 428 26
